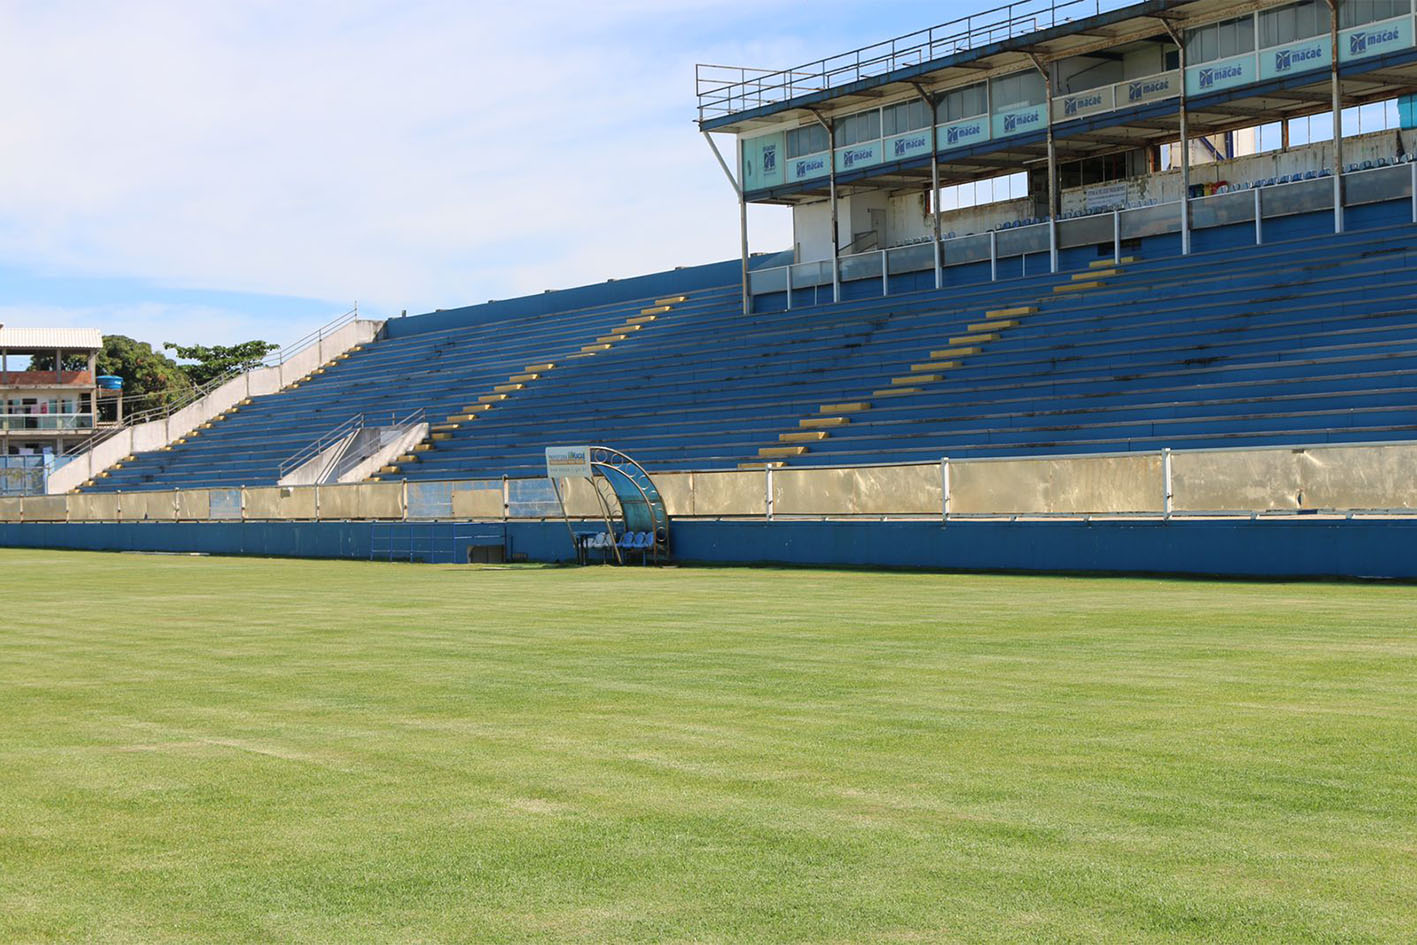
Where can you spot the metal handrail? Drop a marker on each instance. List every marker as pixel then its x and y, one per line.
pixel 194 394
pixel 303 455
pixel 728 90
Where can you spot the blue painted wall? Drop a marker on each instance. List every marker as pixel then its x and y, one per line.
pixel 1242 548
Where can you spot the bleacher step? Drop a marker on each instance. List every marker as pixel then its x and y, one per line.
pixel 1109 263
pixel 592 349
pixel 625 329
pixel 974 338
pixel 654 310
pixel 963 352
pixel 671 300
pixel 935 366
pixel 640 320
pixel 1014 312
pixel 508 388
pixel 812 423
pixel 803 436
pixel 896 391
pixel 855 406
pixel 1096 274
pixel 1078 286
pixel 916 379
pixel 537 368
pixel 609 339
pixel 774 452
pixel 524 378
pixel 998 325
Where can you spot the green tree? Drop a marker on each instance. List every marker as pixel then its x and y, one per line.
pixel 210 363
pixel 150 378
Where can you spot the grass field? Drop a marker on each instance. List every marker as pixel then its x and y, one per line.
pixel 227 750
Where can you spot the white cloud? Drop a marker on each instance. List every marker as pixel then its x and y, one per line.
pixel 412 155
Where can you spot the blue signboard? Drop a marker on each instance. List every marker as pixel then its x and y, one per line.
pixel 1315 53
pixel 962 134
pixel 1017 121
pixel 1224 74
pixel 1149 89
pixel 906 146
pixel 864 154
pixel 1375 39
pixel 808 168
pixel 762 161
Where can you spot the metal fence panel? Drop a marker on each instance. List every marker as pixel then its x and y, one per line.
pixel 9 509
pixel 733 493
pixel 478 499
pixel 225 503
pixel 280 502
pixel 94 507
pixel 44 508
pixel 531 498
pixel 813 492
pixel 1285 480
pixel 1093 485
pixel 194 505
pixel 430 500
pixel 899 490
pixel 677 491
pixel 381 500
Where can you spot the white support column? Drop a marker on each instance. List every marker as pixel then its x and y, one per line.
pixel 1116 237
pixel 934 181
pixel 1336 91
pixel 767 491
pixel 993 255
pixel 736 184
pixel 885 275
pixel 944 488
pixel 1052 165
pixel 1168 497
pixel 1178 37
pixel 1413 166
pixel 1259 217
pixel 787 272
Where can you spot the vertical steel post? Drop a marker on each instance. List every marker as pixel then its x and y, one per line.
pixel 1169 495
pixel 737 185
pixel 1336 91
pixel 944 488
pixel 836 232
pixel 885 275
pixel 767 491
pixel 1259 218
pixel 1116 237
pixel 1180 40
pixel 1052 166
pixel 1413 166
pixel 993 255
pixel 934 181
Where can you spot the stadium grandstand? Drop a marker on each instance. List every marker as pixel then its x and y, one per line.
pixel 1146 266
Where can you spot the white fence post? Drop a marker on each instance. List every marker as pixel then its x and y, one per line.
pixel 767 491
pixel 885 275
pixel 1116 237
pixel 1169 496
pixel 993 255
pixel 1259 218
pixel 944 489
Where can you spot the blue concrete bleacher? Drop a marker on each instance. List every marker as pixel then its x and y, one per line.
pixel 1309 340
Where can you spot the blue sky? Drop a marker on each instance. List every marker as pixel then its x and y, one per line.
pixel 216 171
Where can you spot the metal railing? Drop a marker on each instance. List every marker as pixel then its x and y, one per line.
pixel 396 423
pixel 191 395
pixel 1239 205
pixel 46 421
pixel 728 90
pixel 1325 480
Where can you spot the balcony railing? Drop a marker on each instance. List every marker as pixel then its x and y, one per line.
pixel 30 422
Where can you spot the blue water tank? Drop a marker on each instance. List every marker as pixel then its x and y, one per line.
pixel 110 382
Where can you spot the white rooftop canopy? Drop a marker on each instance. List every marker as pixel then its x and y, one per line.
pixel 49 339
